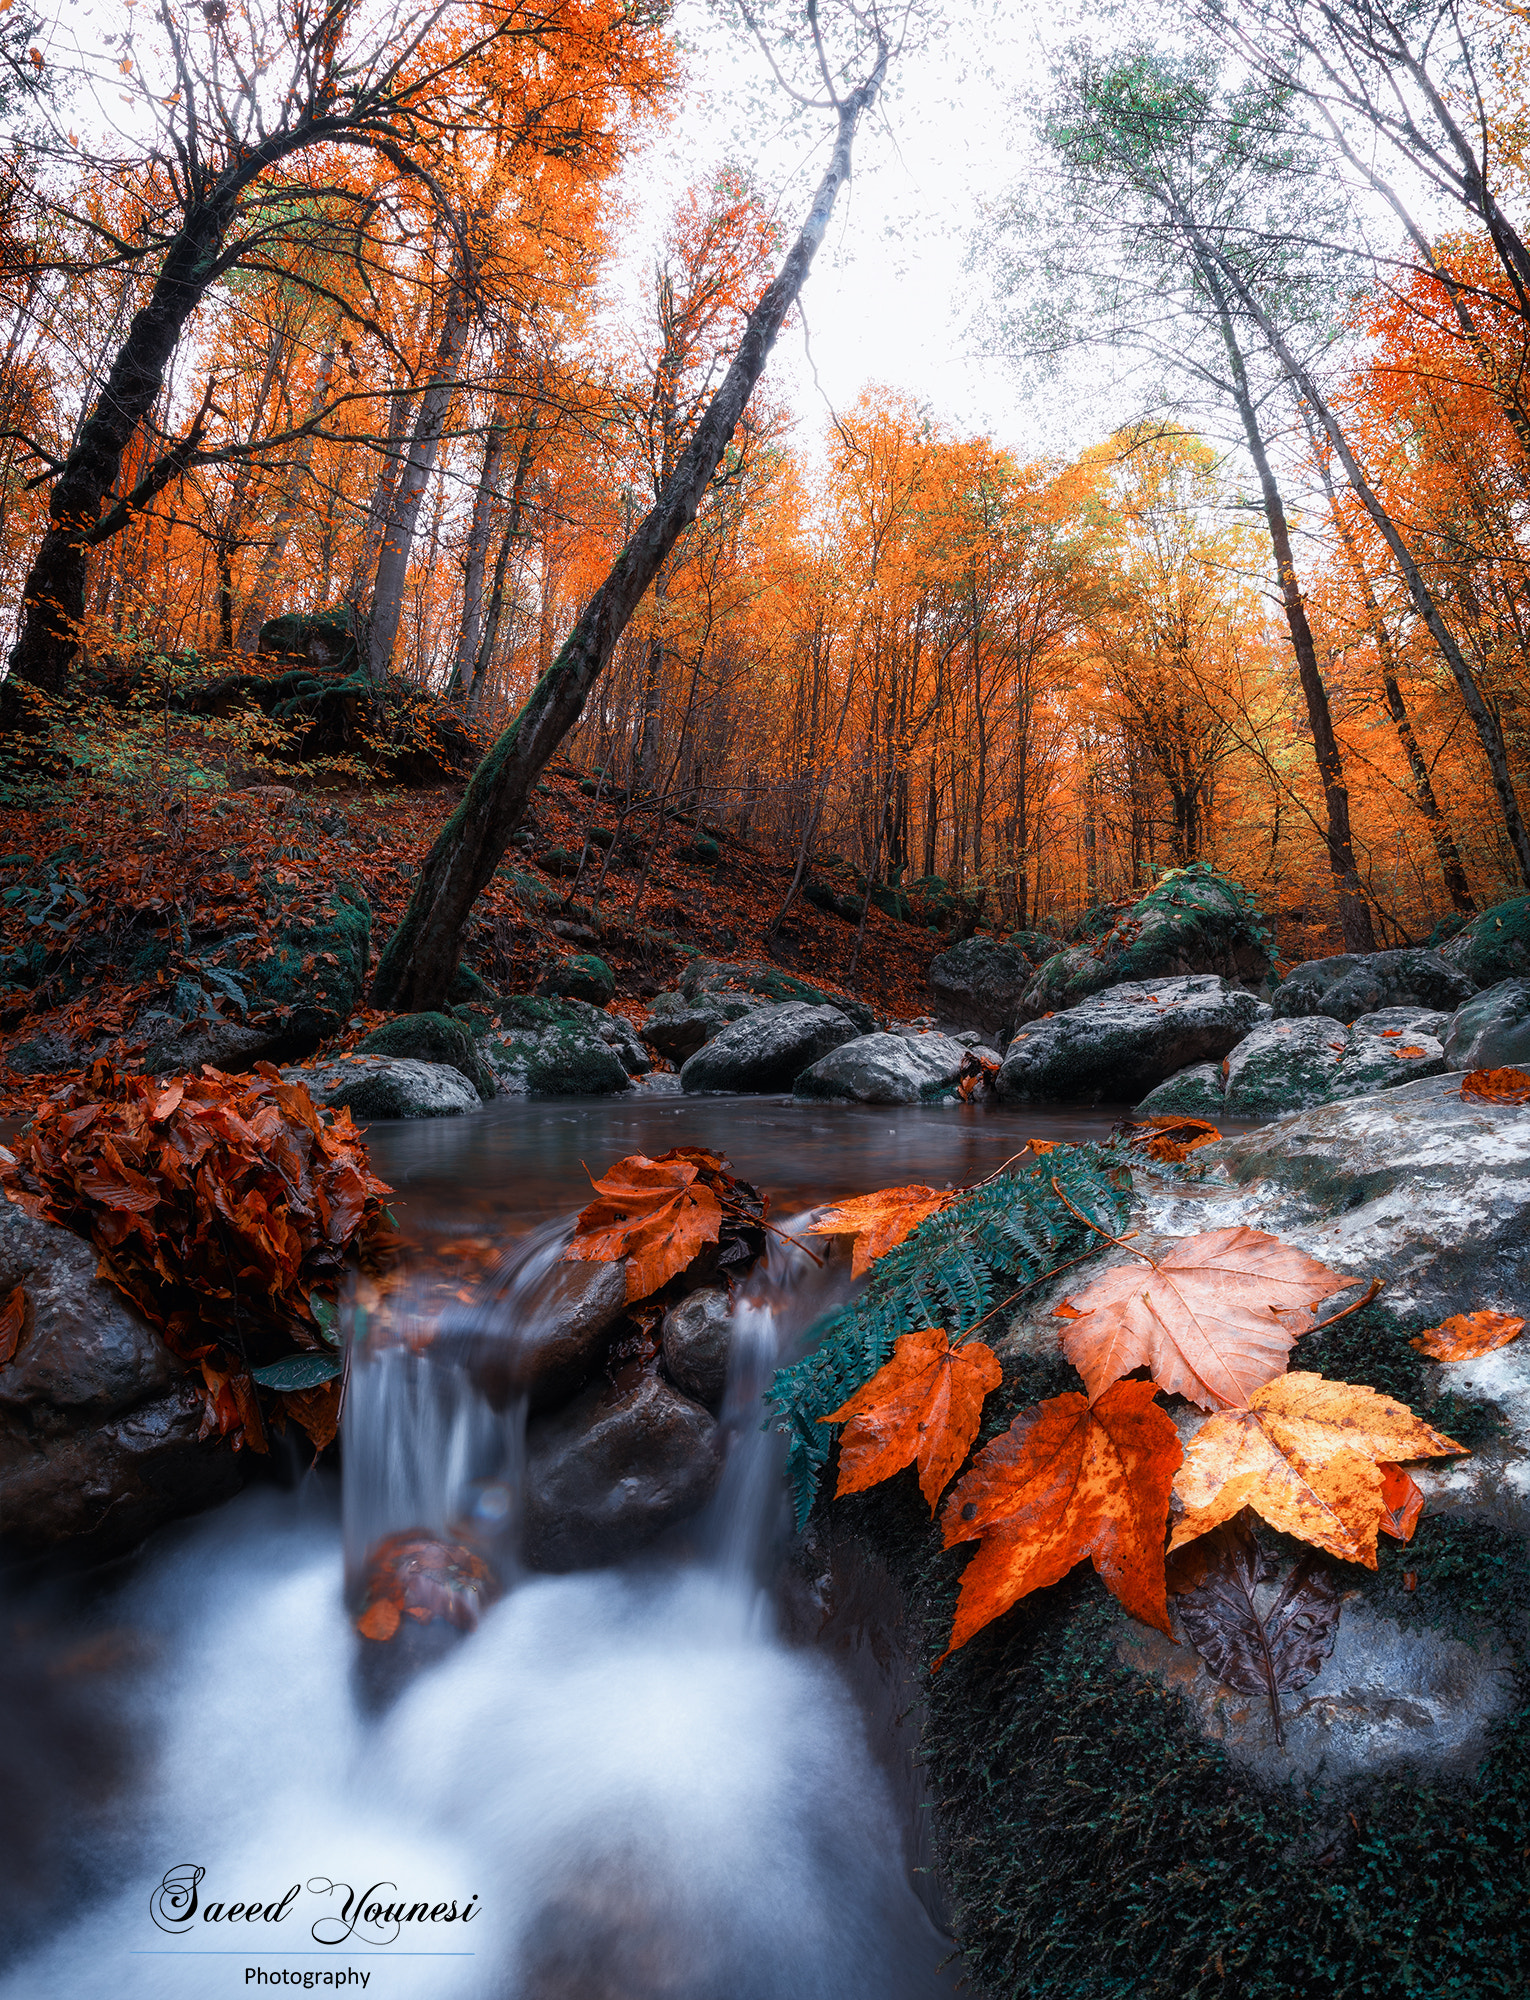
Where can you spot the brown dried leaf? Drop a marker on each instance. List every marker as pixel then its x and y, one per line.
pixel 12 1318
pixel 1212 1321
pixel 1464 1336
pixel 879 1222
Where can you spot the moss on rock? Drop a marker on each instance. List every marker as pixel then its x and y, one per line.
pixel 433 1038
pixel 1494 946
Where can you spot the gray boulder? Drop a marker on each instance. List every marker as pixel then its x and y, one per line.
pixel 1119 1044
pixel 979 984
pixel 1494 946
pixel 612 1470
pixel 374 1087
pixel 1348 985
pixel 697 1338
pixel 1191 1093
pixel 768 982
pixel 1493 1030
pixel 886 1069
pixel 1291 1065
pixel 432 1038
pixel 677 1027
pixel 99 1423
pixel 768 1049
pixel 560 1058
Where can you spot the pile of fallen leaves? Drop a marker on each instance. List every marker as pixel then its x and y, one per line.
pixel 1105 1474
pixel 224 1209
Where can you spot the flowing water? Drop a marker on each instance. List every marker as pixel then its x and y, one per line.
pixel 625 1783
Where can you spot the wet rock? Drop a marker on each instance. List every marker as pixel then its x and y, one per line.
pixel 697 1337
pixel 678 1027
pixel 886 1069
pixel 1491 1031
pixel 768 1049
pixel 1194 921
pixel 769 982
pixel 1387 1698
pixel 436 1039
pixel 1291 1065
pixel 1494 946
pixel 612 1470
pixel 562 1057
pixel 552 1346
pixel 1418 1186
pixel 1344 987
pixel 978 984
pixel 1121 1043
pixel 98 1424
pixel 373 1087
pixel 1195 1092
pixel 181 1047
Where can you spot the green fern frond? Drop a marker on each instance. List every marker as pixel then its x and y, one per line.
pixel 993 1241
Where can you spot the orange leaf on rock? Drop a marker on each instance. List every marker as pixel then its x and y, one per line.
pixel 1464 1336
pixel 12 1317
pixel 380 1620
pixel 1212 1320
pixel 654 1213
pixel 1497 1086
pixel 1173 1139
pixel 1410 1049
pixel 1067 1480
pixel 1306 1454
pixel 924 1406
pixel 1402 1501
pixel 879 1222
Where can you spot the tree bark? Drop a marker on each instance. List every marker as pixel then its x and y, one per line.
pixel 421 957
pixel 466 658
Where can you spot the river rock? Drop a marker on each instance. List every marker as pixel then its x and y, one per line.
pixel 561 1058
pixel 978 984
pixel 98 1423
pixel 177 1047
pixel 1195 1092
pixel 697 1339
pixel 886 1069
pixel 432 1038
pixel 677 1027
pixel 1119 1044
pixel 612 1470
pixel 1344 987
pixel 1494 946
pixel 1491 1031
pixel 549 1346
pixel 374 1087
pixel 1195 920
pixel 769 1049
pixel 584 976
pixel 769 982
pixel 1290 1065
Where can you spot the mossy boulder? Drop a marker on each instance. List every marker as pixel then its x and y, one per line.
pixel 1492 1031
pixel 433 1038
pixel 769 982
pixel 1115 1046
pixel 1494 946
pixel 582 977
pixel 559 1058
pixel 315 978
pixel 702 852
pixel 1348 985
pixel 1196 920
pixel 979 984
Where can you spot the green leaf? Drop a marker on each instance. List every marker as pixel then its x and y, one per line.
pixel 325 1317
pixel 298 1371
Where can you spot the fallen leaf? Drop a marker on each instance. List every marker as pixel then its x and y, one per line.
pixel 1212 1320
pixel 879 1222
pixel 1306 1455
pixel 1391 1034
pixel 654 1213
pixel 12 1317
pixel 923 1407
pixel 380 1620
pixel 1270 1653
pixel 1068 1479
pixel 1411 1049
pixel 1172 1139
pixel 1464 1336
pixel 1402 1502
pixel 1497 1086
pixel 420 1575
pixel 316 1411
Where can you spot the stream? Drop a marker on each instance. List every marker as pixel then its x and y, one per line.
pixel 629 1784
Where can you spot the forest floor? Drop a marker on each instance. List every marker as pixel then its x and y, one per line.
pixel 116 870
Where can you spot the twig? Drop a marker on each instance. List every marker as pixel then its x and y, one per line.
pixel 1121 1242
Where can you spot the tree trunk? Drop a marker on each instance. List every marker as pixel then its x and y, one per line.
pixel 398 535
pixel 1354 911
pixel 254 614
pixel 422 955
pixel 466 658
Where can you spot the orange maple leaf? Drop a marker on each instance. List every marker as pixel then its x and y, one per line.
pixel 1410 1049
pixel 1402 1501
pixel 1464 1336
pixel 1067 1480
pixel 654 1213
pixel 1212 1320
pixel 1307 1454
pixel 1497 1086
pixel 924 1406
pixel 879 1222
pixel 1173 1139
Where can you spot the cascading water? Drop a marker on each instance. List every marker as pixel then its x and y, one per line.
pixel 634 1786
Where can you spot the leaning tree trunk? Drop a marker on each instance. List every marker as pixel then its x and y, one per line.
pixel 1354 912
pixel 422 955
